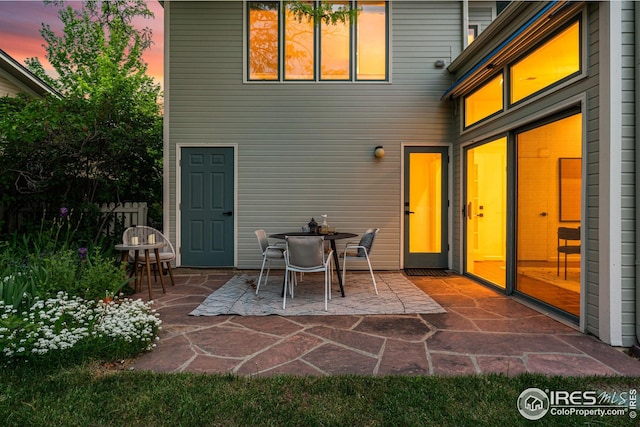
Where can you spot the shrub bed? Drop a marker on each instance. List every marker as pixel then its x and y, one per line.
pixel 62 301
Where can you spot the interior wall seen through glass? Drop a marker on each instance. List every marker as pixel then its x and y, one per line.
pixel 548 265
pixel 486 211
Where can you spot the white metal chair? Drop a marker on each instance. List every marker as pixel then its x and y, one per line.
pixel 166 254
pixel 269 253
pixel 360 252
pixel 306 254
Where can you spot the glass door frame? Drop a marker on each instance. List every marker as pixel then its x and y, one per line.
pixel 513 254
pixel 511 232
pixel 510 213
pixel 444 259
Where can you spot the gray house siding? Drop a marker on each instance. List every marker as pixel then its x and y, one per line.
pixel 307 149
pixel 481 14
pixel 628 175
pixel 592 200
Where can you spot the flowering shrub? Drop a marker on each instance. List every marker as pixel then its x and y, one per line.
pixel 71 329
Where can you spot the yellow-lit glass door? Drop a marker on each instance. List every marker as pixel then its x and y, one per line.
pixel 425 207
pixel 486 211
pixel 549 205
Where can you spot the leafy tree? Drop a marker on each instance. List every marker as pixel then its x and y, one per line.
pixel 98 42
pixel 100 142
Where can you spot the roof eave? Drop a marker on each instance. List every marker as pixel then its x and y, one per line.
pixel 522 36
pixel 26 77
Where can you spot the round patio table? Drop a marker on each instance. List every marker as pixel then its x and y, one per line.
pixel 146 247
pixel 332 241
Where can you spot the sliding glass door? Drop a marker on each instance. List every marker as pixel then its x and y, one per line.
pixel 486 211
pixel 548 226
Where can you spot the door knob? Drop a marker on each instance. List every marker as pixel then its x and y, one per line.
pixel 227 213
pixel 543 214
pixel 480 215
pixel 408 212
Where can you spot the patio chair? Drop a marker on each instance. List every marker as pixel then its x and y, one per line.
pixel 360 251
pixel 269 253
pixel 167 253
pixel 306 254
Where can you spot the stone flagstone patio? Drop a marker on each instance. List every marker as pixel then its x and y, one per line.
pixel 482 332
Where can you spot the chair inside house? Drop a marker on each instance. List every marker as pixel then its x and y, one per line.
pixel 306 254
pixel 166 253
pixel 269 253
pixel 566 235
pixel 360 251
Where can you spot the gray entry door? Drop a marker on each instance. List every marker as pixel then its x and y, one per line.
pixel 206 207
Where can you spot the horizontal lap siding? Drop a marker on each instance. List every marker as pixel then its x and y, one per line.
pixel 592 252
pixel 481 14
pixel 627 169
pixel 307 149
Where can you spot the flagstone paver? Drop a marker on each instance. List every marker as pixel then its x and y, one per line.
pixel 335 359
pixel 452 364
pixel 403 358
pixel 563 364
pixel 292 348
pixel 501 365
pixel 356 340
pixel 483 331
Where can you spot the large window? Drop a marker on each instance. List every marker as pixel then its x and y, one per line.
pixel 553 61
pixel 284 47
pixel 556 59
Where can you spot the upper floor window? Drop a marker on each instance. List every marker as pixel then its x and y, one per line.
pixel 472 33
pixel 551 62
pixel 282 46
pixel 484 102
pixel 543 67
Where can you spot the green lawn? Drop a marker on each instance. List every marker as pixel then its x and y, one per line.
pixel 90 397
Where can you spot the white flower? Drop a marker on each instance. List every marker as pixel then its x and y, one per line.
pixel 60 323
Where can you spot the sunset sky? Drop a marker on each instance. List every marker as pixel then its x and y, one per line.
pixel 20 23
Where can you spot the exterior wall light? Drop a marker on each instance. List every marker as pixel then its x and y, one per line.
pixel 379 152
pixel 439 63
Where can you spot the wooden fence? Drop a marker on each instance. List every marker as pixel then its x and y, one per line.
pixel 123 215
pixel 115 217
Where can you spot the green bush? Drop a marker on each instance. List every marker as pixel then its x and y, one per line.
pixel 52 259
pixel 99 276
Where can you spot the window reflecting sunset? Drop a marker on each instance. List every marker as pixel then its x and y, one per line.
pixel 334 48
pixel 311 51
pixel 263 40
pixel 298 47
pixel 372 41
